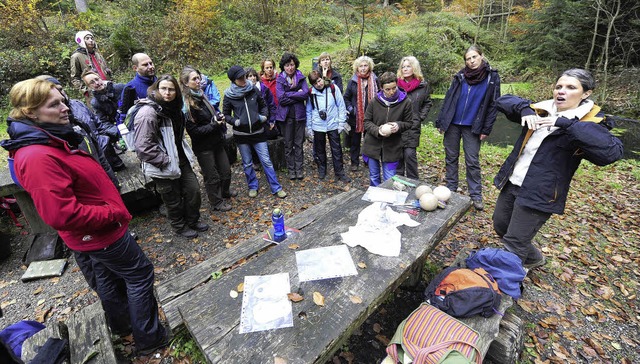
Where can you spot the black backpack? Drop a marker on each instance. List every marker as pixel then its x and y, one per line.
pixel 463 292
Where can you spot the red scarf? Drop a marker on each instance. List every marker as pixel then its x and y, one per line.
pixel 371 89
pixel 96 65
pixel 409 86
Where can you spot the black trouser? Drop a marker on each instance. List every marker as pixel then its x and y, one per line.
pixel 181 196
pixel 125 261
pixel 354 148
pixel 293 143
pixel 408 165
pixel 216 171
pixel 320 152
pixel 517 225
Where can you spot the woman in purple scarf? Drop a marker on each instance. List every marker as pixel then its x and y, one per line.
pixel 386 117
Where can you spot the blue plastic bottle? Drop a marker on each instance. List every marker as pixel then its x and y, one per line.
pixel 278 226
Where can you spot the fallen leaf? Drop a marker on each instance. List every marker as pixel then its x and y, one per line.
pixel 616 346
pixel 216 275
pixel 383 339
pixel 294 246
pixel 318 299
pixel 355 299
pixel 38 290
pixel 40 302
pixel 362 265
pixel 294 297
pixel 377 328
pixel 7 303
pixel 279 360
pixel 240 287
pixel 348 356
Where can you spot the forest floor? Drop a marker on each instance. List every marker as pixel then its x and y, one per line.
pixel 581 307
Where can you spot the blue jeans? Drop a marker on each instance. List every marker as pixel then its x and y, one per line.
pixel 247 164
pixel 471 147
pixel 124 260
pixel 388 171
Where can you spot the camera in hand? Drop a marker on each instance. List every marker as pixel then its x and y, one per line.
pixel 323 114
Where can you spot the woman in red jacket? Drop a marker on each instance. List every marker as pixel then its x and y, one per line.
pixel 74 195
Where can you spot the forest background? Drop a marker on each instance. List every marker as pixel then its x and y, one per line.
pixel 529 41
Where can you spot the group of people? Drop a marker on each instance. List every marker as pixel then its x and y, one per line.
pixel 55 157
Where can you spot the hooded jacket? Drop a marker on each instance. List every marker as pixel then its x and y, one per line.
pixel 155 141
pixel 291 96
pixel 389 148
pixel 70 190
pixel 80 61
pixel 421 103
pixel 486 116
pixel 546 183
pixel 333 105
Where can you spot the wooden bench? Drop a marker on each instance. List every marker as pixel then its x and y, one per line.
pixel 88 335
pixel 212 316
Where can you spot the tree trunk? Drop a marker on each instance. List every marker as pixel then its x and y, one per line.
pixel 612 20
pixel 385 3
pixel 81 6
pixel 595 36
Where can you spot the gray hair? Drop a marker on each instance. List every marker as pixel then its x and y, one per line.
pixel 585 78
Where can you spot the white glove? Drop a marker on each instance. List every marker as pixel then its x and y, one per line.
pixel 262 118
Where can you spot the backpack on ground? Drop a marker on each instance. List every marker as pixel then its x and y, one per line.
pixel 430 336
pixel 463 292
pixel 504 266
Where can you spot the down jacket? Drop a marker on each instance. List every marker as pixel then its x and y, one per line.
pixel 155 142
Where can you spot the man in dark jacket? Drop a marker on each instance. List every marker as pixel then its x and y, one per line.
pixel 106 96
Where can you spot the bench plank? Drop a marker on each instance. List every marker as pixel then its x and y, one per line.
pixel 213 317
pixel 169 293
pixel 90 336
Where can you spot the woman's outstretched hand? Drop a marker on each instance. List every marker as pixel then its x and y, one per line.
pixel 530 121
pixel 547 121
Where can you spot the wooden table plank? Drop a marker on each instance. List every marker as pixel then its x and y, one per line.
pixel 213 317
pixel 89 336
pixel 170 292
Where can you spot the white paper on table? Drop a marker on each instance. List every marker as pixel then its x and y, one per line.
pixel 265 305
pixel 379 194
pixel 323 263
pixel 376 230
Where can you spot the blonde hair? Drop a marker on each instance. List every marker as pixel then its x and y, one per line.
pixel 28 95
pixel 324 55
pixel 413 61
pixel 361 59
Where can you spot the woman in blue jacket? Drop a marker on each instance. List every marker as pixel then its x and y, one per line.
pixel 326 116
pixel 556 135
pixel 292 91
pixel 468 114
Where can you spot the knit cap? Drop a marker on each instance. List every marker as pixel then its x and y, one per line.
pixel 80 37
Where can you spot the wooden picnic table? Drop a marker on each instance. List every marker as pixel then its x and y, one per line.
pixel 212 316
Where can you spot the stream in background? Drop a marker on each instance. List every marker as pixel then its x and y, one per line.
pixel 506 132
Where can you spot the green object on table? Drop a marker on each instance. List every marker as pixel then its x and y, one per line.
pixel 406 183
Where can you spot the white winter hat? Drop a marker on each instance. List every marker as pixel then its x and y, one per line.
pixel 80 37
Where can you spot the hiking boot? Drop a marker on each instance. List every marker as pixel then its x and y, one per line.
pixel 300 175
pixel 281 194
pixel 535 259
pixel 199 226
pixel 253 193
pixel 292 176
pixel 478 204
pixel 344 179
pixel 530 264
pixel 354 167
pixel 187 233
pixel 222 207
pixel 322 176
